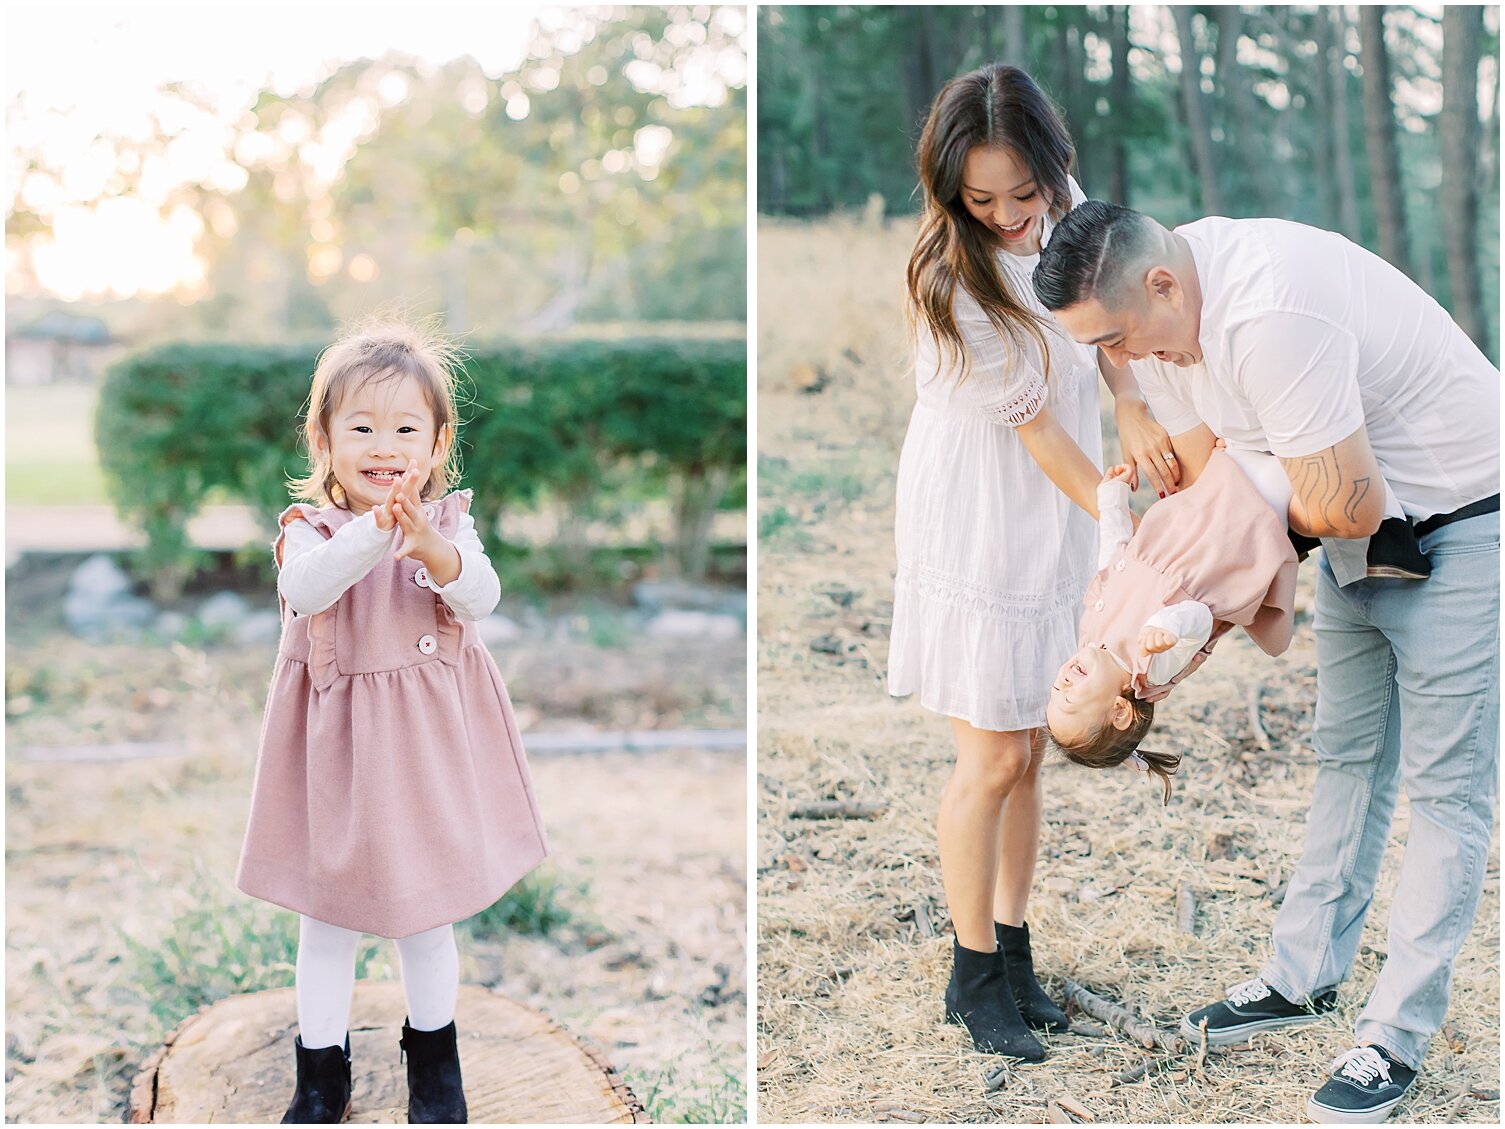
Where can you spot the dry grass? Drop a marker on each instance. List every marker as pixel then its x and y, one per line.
pixel 849 990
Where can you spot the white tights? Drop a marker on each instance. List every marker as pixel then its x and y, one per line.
pixel 326 979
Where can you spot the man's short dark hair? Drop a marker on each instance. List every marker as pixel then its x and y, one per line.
pixel 1089 254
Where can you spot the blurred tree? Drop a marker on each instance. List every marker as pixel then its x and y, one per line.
pixel 589 185
pixel 1462 29
pixel 1385 184
pixel 1198 128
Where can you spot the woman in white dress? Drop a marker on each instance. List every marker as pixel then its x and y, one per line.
pixel 993 556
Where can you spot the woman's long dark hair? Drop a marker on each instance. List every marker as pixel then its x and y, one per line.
pixel 995 106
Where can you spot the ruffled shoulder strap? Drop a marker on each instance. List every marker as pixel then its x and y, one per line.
pixel 326 521
pixel 447 511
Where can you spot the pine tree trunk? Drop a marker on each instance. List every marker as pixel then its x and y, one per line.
pixel 1121 93
pixel 1342 140
pixel 1321 113
pixel 1380 144
pixel 1196 114
pixel 1015 50
pixel 1462 29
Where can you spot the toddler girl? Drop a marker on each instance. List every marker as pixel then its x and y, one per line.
pixel 1204 559
pixel 392 796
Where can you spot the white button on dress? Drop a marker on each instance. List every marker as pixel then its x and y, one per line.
pixel 428 645
pixel 421 578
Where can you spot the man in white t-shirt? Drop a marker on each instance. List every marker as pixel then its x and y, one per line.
pixel 1283 338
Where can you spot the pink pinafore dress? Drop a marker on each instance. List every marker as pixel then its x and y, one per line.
pixel 392 795
pixel 1217 542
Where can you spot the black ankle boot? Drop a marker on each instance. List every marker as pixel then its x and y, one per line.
pixel 1038 1009
pixel 435 1093
pixel 323 1093
pixel 979 999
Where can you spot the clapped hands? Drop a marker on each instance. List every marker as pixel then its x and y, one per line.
pixel 403 508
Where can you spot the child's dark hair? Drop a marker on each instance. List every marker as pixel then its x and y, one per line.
pixel 1110 747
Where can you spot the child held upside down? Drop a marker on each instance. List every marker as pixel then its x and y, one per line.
pixel 1208 558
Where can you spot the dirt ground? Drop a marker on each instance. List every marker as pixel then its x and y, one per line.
pixel 849 976
pixel 648 854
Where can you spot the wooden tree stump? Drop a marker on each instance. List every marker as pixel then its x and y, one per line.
pixel 233 1062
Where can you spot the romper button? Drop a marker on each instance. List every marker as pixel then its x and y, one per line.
pixel 421 577
pixel 1119 566
pixel 427 645
pixel 1097 607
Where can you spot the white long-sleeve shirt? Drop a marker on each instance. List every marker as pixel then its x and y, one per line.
pixel 1190 620
pixel 316 571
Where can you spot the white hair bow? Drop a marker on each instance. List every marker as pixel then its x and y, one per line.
pixel 1137 762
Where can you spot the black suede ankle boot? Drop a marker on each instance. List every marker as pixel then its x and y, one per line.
pixel 1038 1009
pixel 323 1088
pixel 435 1093
pixel 979 999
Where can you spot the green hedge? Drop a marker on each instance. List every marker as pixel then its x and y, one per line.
pixel 556 419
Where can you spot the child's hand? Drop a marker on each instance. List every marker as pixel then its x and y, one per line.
pixel 1120 473
pixel 385 517
pixel 1154 640
pixel 407 509
pixel 420 540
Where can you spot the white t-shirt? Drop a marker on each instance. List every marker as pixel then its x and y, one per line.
pixel 1305 336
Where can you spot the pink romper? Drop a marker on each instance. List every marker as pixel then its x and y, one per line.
pixel 392 795
pixel 1217 542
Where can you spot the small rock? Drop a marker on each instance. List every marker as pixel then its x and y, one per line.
pixel 101 577
pixel 170 624
pixel 264 626
pixel 838 594
pixel 120 617
pixel 497 629
pixel 675 623
pixel 828 645
pixel 654 596
pixel 223 610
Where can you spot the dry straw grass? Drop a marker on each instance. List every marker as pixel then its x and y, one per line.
pixel 849 986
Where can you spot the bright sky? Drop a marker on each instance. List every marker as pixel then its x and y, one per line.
pixel 97 69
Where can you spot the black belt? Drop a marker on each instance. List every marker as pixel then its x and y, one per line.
pixel 1490 505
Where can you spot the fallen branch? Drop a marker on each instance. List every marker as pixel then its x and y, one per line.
pixel 995 1079
pixel 922 920
pixel 839 809
pixel 1147 1034
pixel 1148 1066
pixel 1202 1047
pixel 1260 735
pixel 1186 909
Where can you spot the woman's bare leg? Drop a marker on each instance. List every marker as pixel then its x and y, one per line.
pixel 1019 843
pixel 989 766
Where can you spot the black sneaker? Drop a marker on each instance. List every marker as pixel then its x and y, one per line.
pixel 1395 552
pixel 1365 1086
pixel 1250 1007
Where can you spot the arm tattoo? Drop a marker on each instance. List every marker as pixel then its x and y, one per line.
pixel 1360 491
pixel 1317 484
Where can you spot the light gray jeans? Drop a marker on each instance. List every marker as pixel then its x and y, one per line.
pixel 1408 696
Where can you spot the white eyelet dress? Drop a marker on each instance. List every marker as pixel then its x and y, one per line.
pixel 993 560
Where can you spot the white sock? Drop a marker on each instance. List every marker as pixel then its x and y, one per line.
pixel 430 977
pixel 326 980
